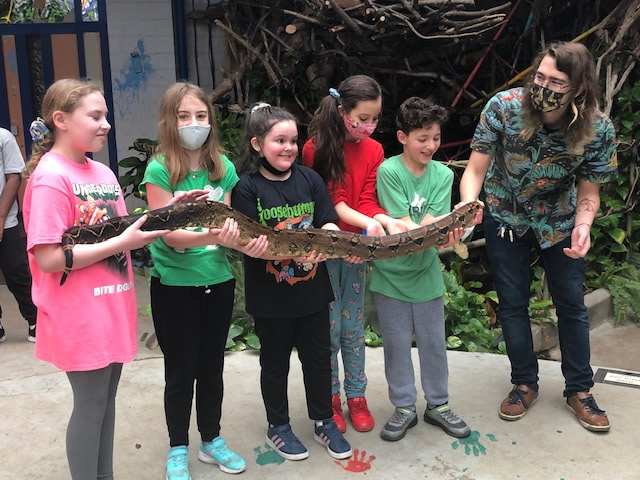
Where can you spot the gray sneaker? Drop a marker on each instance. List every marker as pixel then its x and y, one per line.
pixel 397 426
pixel 444 418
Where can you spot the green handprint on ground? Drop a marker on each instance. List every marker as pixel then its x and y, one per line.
pixel 472 443
pixel 267 456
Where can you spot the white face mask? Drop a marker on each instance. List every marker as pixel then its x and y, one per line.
pixel 193 137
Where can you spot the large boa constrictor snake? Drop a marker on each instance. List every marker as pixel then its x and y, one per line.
pixel 283 243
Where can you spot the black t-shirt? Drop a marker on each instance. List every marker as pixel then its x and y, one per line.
pixel 285 288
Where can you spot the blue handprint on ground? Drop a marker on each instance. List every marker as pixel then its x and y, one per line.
pixel 267 456
pixel 472 444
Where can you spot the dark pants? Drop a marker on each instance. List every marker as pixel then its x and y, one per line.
pixel 92 423
pixel 15 268
pixel 510 264
pixel 191 325
pixel 310 335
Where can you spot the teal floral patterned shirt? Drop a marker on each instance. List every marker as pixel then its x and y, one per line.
pixel 532 184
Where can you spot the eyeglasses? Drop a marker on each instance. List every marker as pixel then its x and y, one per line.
pixel 554 84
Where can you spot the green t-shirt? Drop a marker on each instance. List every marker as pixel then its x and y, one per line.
pixel 418 277
pixel 198 266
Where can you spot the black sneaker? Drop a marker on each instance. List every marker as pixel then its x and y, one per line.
pixel 444 418
pixel 396 427
pixel 31 335
pixel 3 337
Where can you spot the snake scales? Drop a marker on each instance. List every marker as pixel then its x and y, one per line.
pixel 284 243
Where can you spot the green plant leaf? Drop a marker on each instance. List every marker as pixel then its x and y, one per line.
pixel 492 295
pixel 235 330
pixel 471 346
pixel 130 162
pixel 453 342
pixel 623 191
pixel 238 347
pixel 618 235
pixel 230 343
pixel 253 341
pixel 618 248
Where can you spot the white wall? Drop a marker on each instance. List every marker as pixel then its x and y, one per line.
pixel 144 28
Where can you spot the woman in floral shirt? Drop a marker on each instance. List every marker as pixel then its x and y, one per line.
pixel 531 146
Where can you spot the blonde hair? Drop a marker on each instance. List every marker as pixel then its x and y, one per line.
pixel 175 158
pixel 65 96
pixel 576 61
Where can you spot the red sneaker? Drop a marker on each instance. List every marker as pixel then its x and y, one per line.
pixel 361 418
pixel 338 417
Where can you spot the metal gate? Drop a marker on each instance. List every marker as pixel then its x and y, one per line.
pixel 46 40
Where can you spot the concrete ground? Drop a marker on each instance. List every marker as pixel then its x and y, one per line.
pixel 549 443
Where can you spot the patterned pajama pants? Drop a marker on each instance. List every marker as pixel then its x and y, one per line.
pixel 346 320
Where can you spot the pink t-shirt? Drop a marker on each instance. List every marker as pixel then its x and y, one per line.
pixel 90 321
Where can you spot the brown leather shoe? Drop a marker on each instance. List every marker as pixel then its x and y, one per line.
pixel 517 402
pixel 591 417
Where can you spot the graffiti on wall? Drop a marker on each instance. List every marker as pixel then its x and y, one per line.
pixel 132 80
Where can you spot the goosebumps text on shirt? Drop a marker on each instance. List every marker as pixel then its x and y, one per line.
pixel 96 209
pixel 285 211
pixel 287 218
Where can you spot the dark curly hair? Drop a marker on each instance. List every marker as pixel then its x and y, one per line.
pixel 416 113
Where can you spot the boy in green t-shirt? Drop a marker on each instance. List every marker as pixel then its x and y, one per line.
pixel 409 290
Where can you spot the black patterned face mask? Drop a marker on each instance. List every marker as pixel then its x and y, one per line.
pixel 546 100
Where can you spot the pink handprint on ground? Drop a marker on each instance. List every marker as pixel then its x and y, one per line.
pixel 357 465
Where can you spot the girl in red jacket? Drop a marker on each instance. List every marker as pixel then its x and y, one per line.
pixel 340 150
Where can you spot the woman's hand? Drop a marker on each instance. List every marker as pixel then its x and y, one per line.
pixel 580 241
pixel 228 235
pixel 395 225
pixel 190 196
pixel 133 238
pixel 256 248
pixel 477 219
pixel 354 259
pixel 374 228
pixel 313 257
pixel 453 238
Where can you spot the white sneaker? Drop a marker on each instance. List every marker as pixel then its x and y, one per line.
pixel 32 333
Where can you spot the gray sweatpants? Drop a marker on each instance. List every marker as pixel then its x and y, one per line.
pixel 90 430
pixel 399 321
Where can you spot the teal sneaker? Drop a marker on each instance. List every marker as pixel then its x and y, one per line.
pixel 178 463
pixel 217 452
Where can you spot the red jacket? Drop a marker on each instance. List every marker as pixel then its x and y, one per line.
pixel 358 188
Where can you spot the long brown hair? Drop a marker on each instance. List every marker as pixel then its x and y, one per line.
pixel 575 60
pixel 327 127
pixel 175 158
pixel 64 95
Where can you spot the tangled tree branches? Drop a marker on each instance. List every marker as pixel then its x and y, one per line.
pixel 290 52
pixel 620 35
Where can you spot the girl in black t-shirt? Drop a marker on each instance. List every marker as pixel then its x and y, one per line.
pixel 288 297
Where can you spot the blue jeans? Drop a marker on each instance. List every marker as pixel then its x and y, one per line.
pixel 511 276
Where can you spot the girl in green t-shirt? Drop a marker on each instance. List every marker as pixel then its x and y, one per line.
pixel 192 287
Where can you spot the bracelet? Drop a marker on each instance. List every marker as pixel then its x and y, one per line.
pixel 584 223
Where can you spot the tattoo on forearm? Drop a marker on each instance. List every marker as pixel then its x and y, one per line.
pixel 586 205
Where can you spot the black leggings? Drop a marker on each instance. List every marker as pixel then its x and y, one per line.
pixel 310 335
pixel 90 430
pixel 191 325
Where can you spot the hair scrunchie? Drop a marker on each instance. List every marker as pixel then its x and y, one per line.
pixel 39 131
pixel 259 106
pixel 334 93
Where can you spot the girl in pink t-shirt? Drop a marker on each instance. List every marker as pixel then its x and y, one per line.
pixel 86 327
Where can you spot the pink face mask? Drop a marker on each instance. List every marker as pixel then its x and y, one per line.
pixel 359 131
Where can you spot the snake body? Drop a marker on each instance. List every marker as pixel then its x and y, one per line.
pixel 283 243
